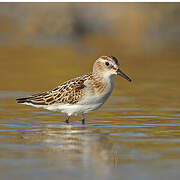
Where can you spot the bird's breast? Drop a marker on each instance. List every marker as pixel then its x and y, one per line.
pixel 98 91
pixel 105 87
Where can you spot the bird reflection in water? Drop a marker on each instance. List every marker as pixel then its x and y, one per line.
pixel 77 139
pixel 79 144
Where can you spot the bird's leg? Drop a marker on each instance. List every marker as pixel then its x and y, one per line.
pixel 83 120
pixel 67 119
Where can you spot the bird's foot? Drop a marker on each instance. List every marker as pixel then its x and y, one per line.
pixel 83 121
pixel 67 120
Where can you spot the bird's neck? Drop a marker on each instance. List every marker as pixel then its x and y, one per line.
pixel 104 77
pixel 104 82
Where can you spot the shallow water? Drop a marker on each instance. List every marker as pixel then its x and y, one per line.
pixel 135 135
pixel 115 143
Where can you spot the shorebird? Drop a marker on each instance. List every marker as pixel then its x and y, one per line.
pixel 82 94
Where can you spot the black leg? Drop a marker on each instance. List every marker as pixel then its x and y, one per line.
pixel 67 119
pixel 83 120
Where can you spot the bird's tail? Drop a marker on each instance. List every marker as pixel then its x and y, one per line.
pixel 35 99
pixel 23 100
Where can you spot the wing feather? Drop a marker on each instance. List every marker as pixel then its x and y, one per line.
pixel 67 93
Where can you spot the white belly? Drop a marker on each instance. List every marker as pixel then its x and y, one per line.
pixel 82 107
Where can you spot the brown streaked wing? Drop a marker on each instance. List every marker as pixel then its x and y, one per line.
pixel 67 93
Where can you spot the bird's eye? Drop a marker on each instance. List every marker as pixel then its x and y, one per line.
pixel 107 64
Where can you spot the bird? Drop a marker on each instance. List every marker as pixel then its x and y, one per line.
pixel 82 94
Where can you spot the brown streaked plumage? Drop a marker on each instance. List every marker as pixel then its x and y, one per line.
pixel 68 92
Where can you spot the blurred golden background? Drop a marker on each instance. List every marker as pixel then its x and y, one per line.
pixel 43 44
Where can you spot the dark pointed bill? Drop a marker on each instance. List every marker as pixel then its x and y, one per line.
pixel 119 72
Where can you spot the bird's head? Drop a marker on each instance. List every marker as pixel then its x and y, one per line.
pixel 108 66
